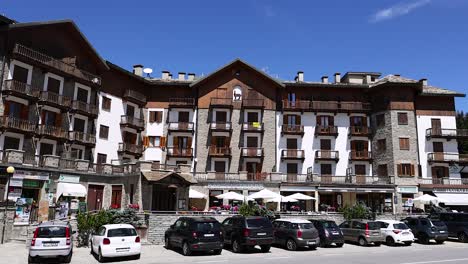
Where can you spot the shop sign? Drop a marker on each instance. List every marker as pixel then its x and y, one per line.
pixel 69 178
pixel 30 184
pixel 407 189
pixel 50 197
pixel 16 182
pixel 409 203
pixel 15 194
pixel 82 207
pixel 31 175
pixel 23 210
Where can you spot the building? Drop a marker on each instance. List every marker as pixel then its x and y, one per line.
pixel 82 130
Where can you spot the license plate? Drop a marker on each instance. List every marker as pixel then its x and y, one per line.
pixel 335 233
pixel 405 233
pixel 311 243
pixel 442 231
pixel 209 235
pixel 50 244
pixel 261 234
pixel 122 249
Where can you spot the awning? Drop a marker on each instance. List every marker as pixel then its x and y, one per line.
pixel 71 189
pixel 290 188
pixel 196 194
pixel 156 176
pixel 453 198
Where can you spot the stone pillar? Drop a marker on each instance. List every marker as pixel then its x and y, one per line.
pixel 317 201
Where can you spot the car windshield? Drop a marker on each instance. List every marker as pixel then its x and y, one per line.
pixel 438 223
pixel 121 232
pixel 206 226
pixel 302 226
pixel 400 226
pixel 329 224
pixel 258 223
pixel 51 231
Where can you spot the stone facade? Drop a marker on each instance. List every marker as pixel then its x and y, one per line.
pixel 269 140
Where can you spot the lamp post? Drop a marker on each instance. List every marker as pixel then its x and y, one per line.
pixel 10 171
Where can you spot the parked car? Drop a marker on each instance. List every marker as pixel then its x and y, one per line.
pixel 247 232
pixel 425 229
pixel 195 234
pixel 329 233
pixel 396 232
pixel 116 240
pixel 457 224
pixel 295 233
pixel 51 240
pixel 362 231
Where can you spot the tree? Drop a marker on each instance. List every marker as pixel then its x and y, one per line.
pixel 462 123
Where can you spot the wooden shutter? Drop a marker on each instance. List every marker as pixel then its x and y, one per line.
pixel 146 141
pixel 399 169
pixel 176 142
pixel 58 120
pixel 446 172
pixel 353 145
pixel 189 142
pixel 412 170
pixel 162 142
pixel 6 111
pixel 285 119
pixel 298 120
pixel 24 112
pixel 152 116
pixel 227 140
pixel 331 121
pixel 43 116
pixel 158 116
pixel 213 141
pixel 319 121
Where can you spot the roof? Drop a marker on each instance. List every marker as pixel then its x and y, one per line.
pixel 156 176
pixel 432 90
pixel 6 20
pixel 113 226
pixel 373 74
pixel 393 79
pixel 390 221
pixel 294 221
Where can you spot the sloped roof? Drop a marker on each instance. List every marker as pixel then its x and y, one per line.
pixel 155 176
pixel 432 90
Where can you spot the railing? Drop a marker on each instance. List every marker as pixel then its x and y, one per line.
pixel 359 131
pixel 132 94
pixel 354 179
pixel 85 107
pixel 52 131
pixel 446 133
pixel 355 106
pixel 252 126
pixel 292 129
pixel 360 155
pixel 131 148
pixel 178 102
pixel 442 157
pixel 132 121
pixel 55 63
pixel 327 154
pixel 82 137
pixel 444 181
pixel 292 154
pixel 224 176
pixel 296 105
pixel 253 103
pixel 326 106
pixel 219 151
pixel 21 88
pixel 54 98
pixel 221 101
pixel 16 123
pixel 181 126
pixel 326 130
pixel 296 178
pixel 67 164
pixel 220 126
pixel 252 152
pixel 179 152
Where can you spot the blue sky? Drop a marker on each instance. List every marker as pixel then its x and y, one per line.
pixel 414 38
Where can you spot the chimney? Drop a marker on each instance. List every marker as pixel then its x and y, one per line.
pixel 191 76
pixel 300 76
pixel 368 79
pixel 165 75
pixel 396 75
pixel 138 69
pixel 324 79
pixel 423 81
pixel 181 76
pixel 337 77
pixel 170 76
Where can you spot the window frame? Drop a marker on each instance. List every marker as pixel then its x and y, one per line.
pixel 101 126
pixel 402 121
pixel 404 143
pixel 104 99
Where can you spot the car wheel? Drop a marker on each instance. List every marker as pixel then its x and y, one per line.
pixel 101 259
pixel 324 243
pixel 440 242
pixel 408 243
pixel 236 246
pixel 291 245
pixel 423 238
pixel 69 257
pixel 390 241
pixel 217 251
pixel 167 243
pixel 362 242
pixel 186 249
pixel 136 257
pixel 377 244
pixel 265 248
pixel 339 244
pixel 31 260
pixel 462 237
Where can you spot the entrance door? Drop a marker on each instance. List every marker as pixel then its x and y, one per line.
pixel 95 194
pixel 436 126
pixel 116 196
pixel 360 171
pixel 253 170
pixel 164 198
pixel 325 147
pixel 438 148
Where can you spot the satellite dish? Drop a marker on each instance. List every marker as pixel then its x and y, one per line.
pixel 147 70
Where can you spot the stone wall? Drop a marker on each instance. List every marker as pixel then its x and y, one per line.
pixel 202 133
pixel 269 140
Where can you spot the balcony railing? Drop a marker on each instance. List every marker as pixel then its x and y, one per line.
pixel 292 129
pixel 327 155
pixel 333 106
pixel 296 178
pixel 355 106
pixel 297 154
pixel 55 99
pixel 241 176
pixel 52 131
pixel 252 152
pixel 359 131
pixel 252 126
pixel 442 157
pixel 444 181
pixel 360 155
pixel 135 96
pixel 219 151
pixel 253 103
pixel 354 179
pixel 7 122
pixel 130 148
pixel 132 121
pixel 81 137
pixel 181 126
pixel 182 102
pixel 56 64
pixel 21 89
pixel 326 131
pixel 220 126
pixel 85 108
pixel 299 105
pixel 447 133
pixel 221 102
pixel 180 152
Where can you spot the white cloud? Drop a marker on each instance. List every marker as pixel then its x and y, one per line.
pixel 397 10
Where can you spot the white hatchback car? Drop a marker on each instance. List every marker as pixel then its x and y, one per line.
pixel 51 240
pixel 116 240
pixel 396 232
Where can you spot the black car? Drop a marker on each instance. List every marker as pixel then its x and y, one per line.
pixel 295 233
pixel 457 224
pixel 425 229
pixel 244 233
pixel 195 234
pixel 329 233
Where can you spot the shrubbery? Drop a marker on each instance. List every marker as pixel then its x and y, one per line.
pixel 358 211
pixel 249 209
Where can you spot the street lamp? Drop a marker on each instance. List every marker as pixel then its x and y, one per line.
pixel 10 171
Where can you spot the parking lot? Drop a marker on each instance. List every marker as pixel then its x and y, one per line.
pixel 450 252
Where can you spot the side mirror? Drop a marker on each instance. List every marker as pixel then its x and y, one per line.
pixel 172 226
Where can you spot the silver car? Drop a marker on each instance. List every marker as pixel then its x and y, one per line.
pixel 362 231
pixel 51 240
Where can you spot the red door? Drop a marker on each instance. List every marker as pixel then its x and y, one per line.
pixel 95 194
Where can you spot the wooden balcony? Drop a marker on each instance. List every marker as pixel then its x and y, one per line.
pixel 135 97
pixel 296 106
pixel 326 131
pixel 360 155
pixel 215 151
pixel 181 103
pixel 16 124
pixel 220 126
pixel 82 138
pixel 53 132
pixel 292 154
pixel 181 127
pixel 443 157
pixel 355 107
pixel 221 102
pixel 252 127
pixel 287 129
pixel 252 152
pixel 132 122
pixel 253 103
pixel 354 180
pixel 326 106
pixel 84 108
pixel 55 100
pixel 131 149
pixel 359 131
pixel 331 155
pixel 443 181
pixel 448 134
pixel 180 152
pixel 20 89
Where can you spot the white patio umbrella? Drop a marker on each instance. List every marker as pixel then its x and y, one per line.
pixel 281 199
pixel 264 194
pixel 232 196
pixel 426 198
pixel 301 196
pixel 196 194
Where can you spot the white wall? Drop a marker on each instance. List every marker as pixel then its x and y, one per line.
pixel 154 129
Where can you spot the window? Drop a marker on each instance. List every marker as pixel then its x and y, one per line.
pixel 53 85
pixel 404 144
pixel 325 121
pixel 184 117
pixel 155 116
pixel 46 149
pixel 220 166
pixel 11 143
pixel 380 120
pixel 252 117
pixel 154 141
pixel 221 117
pixel 402 118
pixel 106 103
pixel 252 142
pixel 79 125
pixel 291 143
pixel 101 158
pixel 291 168
pixel 77 153
pixel 382 145
pixel 50 118
pixel 405 169
pixel 130 110
pixel 325 144
pixel 82 95
pixel 360 169
pixel 103 132
pixel 20 74
pixel 325 169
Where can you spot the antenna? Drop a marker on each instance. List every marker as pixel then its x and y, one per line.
pixel 148 71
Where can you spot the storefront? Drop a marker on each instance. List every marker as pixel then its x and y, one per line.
pixel 404 198
pixel 69 194
pixel 300 205
pixel 379 200
pixel 454 198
